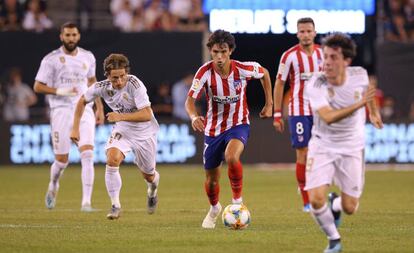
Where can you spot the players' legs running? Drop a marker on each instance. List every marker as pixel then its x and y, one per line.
pixel 301 176
pixel 87 176
pixel 235 169
pixel 113 180
pixel 324 218
pixel 212 188
pixel 56 171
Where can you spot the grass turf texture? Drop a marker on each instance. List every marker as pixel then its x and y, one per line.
pixel 384 222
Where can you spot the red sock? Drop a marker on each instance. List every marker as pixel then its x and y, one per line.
pixel 212 192
pixel 301 178
pixel 235 172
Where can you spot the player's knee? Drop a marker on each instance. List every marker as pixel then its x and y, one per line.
pixel 317 201
pixel 231 158
pixel 113 161
pixel 62 158
pixel 350 208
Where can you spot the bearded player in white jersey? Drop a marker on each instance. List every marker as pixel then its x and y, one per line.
pixel 338 97
pixel 135 128
pixel 64 75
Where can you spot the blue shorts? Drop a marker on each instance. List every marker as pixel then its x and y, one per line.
pixel 300 128
pixel 214 147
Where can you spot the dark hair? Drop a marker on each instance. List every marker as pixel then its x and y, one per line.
pixel 343 41
pixel 115 61
pixel 68 25
pixel 305 20
pixel 221 37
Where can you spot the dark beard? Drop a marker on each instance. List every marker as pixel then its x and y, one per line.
pixel 70 47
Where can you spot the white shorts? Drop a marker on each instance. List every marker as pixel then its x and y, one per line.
pixel 61 122
pixel 347 171
pixel 144 150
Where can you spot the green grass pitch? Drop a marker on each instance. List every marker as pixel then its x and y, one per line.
pixel 384 222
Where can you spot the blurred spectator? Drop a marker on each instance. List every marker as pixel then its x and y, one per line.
pixel 179 95
pixel 157 17
pixel 35 18
pixel 409 14
pixel 188 15
pixel 388 111
pixel 162 102
pixel 127 15
pixel 11 15
pixel 395 21
pixel 19 97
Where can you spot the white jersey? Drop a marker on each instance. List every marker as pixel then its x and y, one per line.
pixel 61 70
pixel 131 98
pixel 346 135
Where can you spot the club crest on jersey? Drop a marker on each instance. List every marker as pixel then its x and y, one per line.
pixel 125 96
pixel 62 59
pixel 237 84
pixel 357 95
pixel 84 66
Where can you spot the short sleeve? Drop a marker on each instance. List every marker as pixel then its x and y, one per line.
pixel 199 80
pixel 317 93
pixel 45 72
pixel 92 67
pixel 141 97
pixel 250 70
pixel 284 67
pixel 91 93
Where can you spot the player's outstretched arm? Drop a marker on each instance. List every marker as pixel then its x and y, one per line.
pixel 142 115
pixel 267 88
pixel 42 88
pixel 80 108
pixel 330 115
pixel 197 122
pixel 277 105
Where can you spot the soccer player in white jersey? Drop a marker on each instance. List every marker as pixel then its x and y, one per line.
pixel 135 128
pixel 64 75
pixel 298 63
pixel 226 125
pixel 336 150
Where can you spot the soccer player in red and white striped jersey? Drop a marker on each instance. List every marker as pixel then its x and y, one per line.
pixel 298 63
pixel 226 125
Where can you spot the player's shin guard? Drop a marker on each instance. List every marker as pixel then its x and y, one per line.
pixel 301 178
pixel 235 172
pixel 212 191
pixel 56 170
pixel 88 176
pixel 323 216
pixel 113 183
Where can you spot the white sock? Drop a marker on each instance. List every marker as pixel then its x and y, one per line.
pixel 113 183
pixel 337 204
pixel 88 176
pixel 237 201
pixel 56 170
pixel 153 186
pixel 325 219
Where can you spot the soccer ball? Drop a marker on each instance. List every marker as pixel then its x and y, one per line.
pixel 236 216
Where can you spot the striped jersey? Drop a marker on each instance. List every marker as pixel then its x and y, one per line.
pixel 61 70
pixel 298 66
pixel 226 97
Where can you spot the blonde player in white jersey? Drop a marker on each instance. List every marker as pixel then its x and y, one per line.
pixel 64 75
pixel 135 128
pixel 338 97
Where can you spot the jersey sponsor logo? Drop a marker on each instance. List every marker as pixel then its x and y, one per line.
pixel 226 99
pixel 306 76
pixel 62 59
pixel 196 84
pixel 237 84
